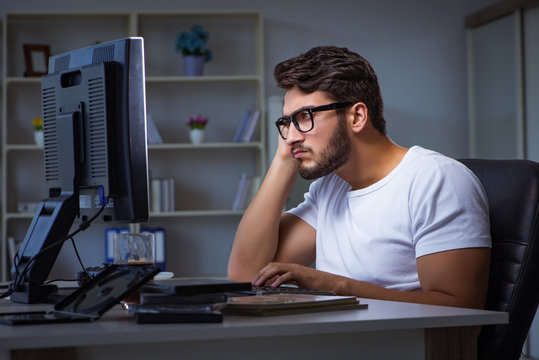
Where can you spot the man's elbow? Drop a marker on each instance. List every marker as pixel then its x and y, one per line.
pixel 238 273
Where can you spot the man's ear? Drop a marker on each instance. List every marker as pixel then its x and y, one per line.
pixel 360 115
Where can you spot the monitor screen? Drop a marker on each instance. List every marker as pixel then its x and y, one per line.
pixel 95 153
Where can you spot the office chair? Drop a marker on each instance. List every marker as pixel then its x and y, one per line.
pixel 512 188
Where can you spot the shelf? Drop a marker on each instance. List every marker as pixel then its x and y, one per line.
pixel 167 214
pixel 157 79
pixel 23 147
pixel 196 213
pixel 215 145
pixel 23 216
pixel 202 79
pixel 157 147
pixel 23 80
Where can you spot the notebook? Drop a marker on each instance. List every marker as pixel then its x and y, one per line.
pixel 284 304
pixel 90 301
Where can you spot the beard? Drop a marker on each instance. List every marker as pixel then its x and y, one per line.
pixel 334 156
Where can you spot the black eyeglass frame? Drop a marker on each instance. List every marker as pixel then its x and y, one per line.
pixel 286 120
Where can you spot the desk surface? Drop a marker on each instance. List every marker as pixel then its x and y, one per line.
pixel 116 327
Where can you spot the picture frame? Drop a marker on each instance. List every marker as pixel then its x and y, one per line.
pixel 36 59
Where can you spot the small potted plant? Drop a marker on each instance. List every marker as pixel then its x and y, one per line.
pixel 197 124
pixel 192 45
pixel 38 130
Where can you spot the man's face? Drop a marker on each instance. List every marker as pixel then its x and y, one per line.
pixel 327 146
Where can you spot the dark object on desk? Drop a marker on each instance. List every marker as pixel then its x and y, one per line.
pixel 512 189
pixel 90 302
pixel 180 313
pixel 189 286
pixel 285 304
pixel 85 276
pixel 167 299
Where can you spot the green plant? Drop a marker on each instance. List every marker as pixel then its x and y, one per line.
pixel 194 43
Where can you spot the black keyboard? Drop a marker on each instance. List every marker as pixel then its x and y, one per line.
pixel 288 289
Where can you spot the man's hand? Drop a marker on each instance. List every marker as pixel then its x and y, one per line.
pixel 275 274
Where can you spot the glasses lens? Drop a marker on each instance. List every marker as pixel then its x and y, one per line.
pixel 304 120
pixel 283 125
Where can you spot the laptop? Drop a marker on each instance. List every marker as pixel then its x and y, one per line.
pixel 90 301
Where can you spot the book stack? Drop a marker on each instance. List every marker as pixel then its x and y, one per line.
pixel 185 300
pixel 247 126
pixel 154 137
pixel 162 195
pixel 247 188
pixel 284 304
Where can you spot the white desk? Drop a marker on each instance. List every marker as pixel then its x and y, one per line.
pixel 386 329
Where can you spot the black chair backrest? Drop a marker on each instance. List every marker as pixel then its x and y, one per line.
pixel 512 189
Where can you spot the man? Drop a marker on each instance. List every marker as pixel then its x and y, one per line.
pixel 381 221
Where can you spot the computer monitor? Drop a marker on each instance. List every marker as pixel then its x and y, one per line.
pixel 95 154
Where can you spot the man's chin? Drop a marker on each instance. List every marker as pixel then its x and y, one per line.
pixel 310 173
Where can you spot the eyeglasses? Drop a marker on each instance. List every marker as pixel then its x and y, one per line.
pixel 303 118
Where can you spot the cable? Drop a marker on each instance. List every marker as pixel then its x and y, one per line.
pixel 80 260
pixel 19 276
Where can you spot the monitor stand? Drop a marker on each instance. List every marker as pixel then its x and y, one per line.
pixel 51 224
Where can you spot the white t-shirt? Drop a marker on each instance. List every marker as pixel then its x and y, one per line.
pixel 427 204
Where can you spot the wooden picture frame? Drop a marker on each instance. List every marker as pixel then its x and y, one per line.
pixel 36 59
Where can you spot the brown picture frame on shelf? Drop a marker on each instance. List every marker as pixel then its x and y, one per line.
pixel 36 59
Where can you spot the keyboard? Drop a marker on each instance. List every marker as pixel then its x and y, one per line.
pixel 288 289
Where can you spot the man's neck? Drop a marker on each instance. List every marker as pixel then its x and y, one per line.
pixel 370 161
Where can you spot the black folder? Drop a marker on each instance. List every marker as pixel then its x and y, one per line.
pixel 191 286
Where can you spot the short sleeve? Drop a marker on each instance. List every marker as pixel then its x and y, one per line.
pixel 448 209
pixel 308 209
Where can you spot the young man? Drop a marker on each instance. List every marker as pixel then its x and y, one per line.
pixel 381 221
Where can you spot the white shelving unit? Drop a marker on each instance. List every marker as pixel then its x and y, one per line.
pixel 199 232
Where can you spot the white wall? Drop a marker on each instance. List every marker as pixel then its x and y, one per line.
pixel 417 48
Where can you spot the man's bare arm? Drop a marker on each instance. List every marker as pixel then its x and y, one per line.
pixel 264 233
pixel 451 278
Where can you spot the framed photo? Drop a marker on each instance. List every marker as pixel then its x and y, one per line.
pixel 36 59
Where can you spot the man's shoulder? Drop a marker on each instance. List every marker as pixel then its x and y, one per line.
pixel 426 160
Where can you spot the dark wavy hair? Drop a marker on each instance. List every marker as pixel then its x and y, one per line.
pixel 343 74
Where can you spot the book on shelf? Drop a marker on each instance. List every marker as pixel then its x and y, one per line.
pixel 162 195
pixel 241 192
pixel 154 137
pixel 240 130
pixel 246 190
pixel 160 253
pixel 247 126
pixel 249 131
pixel 283 304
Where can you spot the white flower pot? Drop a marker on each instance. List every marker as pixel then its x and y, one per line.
pixel 38 137
pixel 196 135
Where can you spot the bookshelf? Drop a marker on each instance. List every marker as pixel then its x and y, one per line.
pixel 200 229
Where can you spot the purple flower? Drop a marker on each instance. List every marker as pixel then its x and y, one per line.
pixel 197 122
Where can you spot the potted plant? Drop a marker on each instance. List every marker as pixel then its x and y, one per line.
pixel 197 124
pixel 192 45
pixel 38 130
